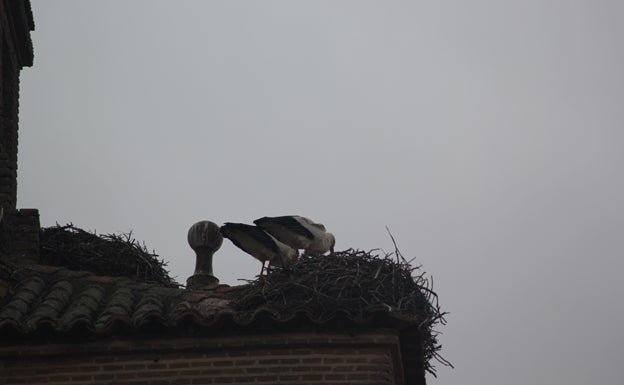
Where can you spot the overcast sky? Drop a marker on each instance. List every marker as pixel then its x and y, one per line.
pixel 487 135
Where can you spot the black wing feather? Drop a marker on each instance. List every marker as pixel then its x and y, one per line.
pixel 253 232
pixel 288 222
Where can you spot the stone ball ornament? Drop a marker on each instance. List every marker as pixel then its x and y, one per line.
pixel 205 234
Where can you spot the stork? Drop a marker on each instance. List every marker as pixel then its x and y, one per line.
pixel 260 245
pixel 299 232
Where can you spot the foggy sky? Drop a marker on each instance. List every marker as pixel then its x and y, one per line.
pixel 487 135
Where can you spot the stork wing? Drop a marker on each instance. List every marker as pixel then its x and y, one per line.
pixel 240 234
pixel 310 222
pixel 287 222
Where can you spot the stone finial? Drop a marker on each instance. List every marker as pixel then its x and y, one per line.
pixel 205 239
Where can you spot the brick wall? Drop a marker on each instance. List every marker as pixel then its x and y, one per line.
pixel 19 236
pixel 9 95
pixel 15 52
pixel 286 359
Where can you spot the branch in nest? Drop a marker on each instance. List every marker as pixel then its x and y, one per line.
pixel 110 254
pixel 351 280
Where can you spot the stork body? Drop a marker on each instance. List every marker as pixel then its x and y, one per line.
pixel 299 232
pixel 259 244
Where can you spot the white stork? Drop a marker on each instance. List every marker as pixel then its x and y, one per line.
pixel 300 233
pixel 260 245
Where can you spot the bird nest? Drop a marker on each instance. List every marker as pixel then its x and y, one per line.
pixel 116 255
pixel 352 281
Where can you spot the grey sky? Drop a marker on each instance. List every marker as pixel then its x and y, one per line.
pixel 486 134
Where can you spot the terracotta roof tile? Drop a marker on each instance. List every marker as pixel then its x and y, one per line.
pixel 18 306
pixel 64 300
pixel 83 308
pixel 52 305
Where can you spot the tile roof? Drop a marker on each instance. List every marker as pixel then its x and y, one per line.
pixel 61 300
pixel 47 299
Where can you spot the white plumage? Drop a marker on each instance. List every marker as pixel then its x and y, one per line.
pixel 299 232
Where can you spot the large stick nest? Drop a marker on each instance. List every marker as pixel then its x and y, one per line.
pixel 352 281
pixel 116 255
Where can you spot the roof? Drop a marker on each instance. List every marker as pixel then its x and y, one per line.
pixel 347 290
pixel 41 299
pixel 46 299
